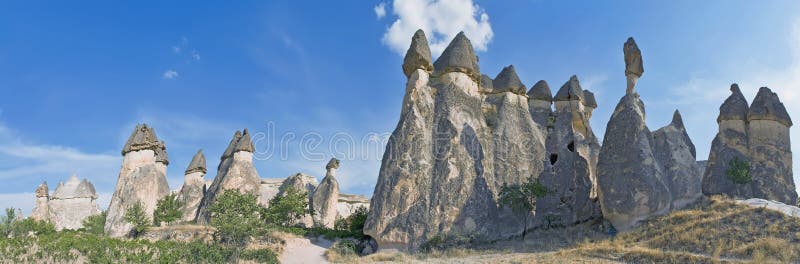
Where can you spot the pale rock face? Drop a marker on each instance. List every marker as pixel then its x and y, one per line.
pixel 348 203
pixel 303 183
pixel 193 189
pixel 69 205
pixel 630 181
pixel 41 212
pixel 325 197
pixel 676 154
pixel 235 171
pixel 438 171
pixel 268 190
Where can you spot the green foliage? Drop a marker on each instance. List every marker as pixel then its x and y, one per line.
pixel 95 224
pixel 137 217
pixel 739 171
pixel 168 210
pixel 235 215
pixel 286 209
pixel 442 241
pixel 346 247
pixel 259 255
pixel 353 223
pixel 522 198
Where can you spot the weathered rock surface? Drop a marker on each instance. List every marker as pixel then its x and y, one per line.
pixel 69 205
pixel 142 179
pixel 305 184
pixel 540 102
pixel 326 196
pixel 759 135
pixel 589 102
pixel 41 211
pixel 235 172
pixel 508 81
pixel 418 55
pixel 570 172
pixel 194 188
pixel 268 190
pixel 676 154
pixel 769 148
pixel 348 203
pixel 633 63
pixel 438 174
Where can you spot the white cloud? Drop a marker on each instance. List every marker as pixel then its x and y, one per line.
pixel 380 10
pixel 170 74
pixel 441 20
pixel 195 55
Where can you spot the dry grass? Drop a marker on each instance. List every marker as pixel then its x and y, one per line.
pixel 715 230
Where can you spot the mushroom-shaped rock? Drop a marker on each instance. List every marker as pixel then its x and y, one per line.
pixel 198 163
pixel 418 55
pixel 570 91
pixel 486 84
pixel 232 145
pixel 735 107
pixel 459 56
pixel 508 81
pixel 325 197
pixel 588 99
pixel 245 143
pixel 767 106
pixel 633 63
pixel 142 137
pixel 540 91
pixel 161 153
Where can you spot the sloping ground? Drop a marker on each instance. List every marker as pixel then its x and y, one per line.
pixel 715 230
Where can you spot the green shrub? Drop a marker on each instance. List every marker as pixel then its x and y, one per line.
pixel 522 198
pixel 95 224
pixel 259 255
pixel 738 171
pixel 235 215
pixel 286 209
pixel 346 247
pixel 138 218
pixel 168 210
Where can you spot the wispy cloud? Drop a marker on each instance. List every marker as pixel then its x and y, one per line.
pixel 441 20
pixel 380 10
pixel 169 75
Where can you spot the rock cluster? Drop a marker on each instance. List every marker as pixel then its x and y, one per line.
pixel 458 141
pixel 235 171
pixel 194 188
pixel 757 135
pixel 142 179
pixel 326 197
pixel 68 206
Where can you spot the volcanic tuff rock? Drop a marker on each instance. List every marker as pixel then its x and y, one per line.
pixel 193 189
pixel 730 143
pixel 759 135
pixel 235 171
pixel 438 174
pixel 675 152
pixel 305 184
pixel 348 203
pixel 141 179
pixel 633 63
pixel 570 172
pixel 540 100
pixel 41 212
pixel 72 202
pixel 589 103
pixel 508 81
pixel 326 196
pixel 418 55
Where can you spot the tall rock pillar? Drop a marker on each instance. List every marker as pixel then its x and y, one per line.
pixel 193 189
pixel 325 197
pixel 770 148
pixel 729 143
pixel 41 212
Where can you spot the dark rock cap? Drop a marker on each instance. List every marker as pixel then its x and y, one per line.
pixel 677 120
pixel 767 106
pixel 161 153
pixel 633 58
pixel 486 83
pixel 245 144
pixel 142 137
pixel 508 81
pixel 735 107
pixel 232 145
pixel 42 190
pixel 540 91
pixel 570 91
pixel 418 55
pixel 588 99
pixel 332 164
pixel 198 163
pixel 459 56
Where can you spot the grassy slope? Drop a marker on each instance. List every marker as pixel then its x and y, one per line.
pixel 715 230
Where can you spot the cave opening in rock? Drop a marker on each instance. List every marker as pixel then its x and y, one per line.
pixel 571 146
pixel 553 159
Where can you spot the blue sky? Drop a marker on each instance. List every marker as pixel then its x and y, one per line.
pixel 77 77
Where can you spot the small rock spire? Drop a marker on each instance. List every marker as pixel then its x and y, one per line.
pixel 232 145
pixel 508 81
pixel 677 120
pixel 198 163
pixel 333 164
pixel 459 56
pixel 540 91
pixel 767 106
pixel 486 84
pixel 142 137
pixel 633 63
pixel 245 144
pixel 570 91
pixel 161 153
pixel 588 99
pixel 42 190
pixel 418 55
pixel 735 107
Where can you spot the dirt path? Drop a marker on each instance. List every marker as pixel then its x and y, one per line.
pixel 303 250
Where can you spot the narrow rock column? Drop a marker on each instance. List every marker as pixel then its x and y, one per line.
pixel 41 212
pixel 633 64
pixel 325 197
pixel 193 189
pixel 729 143
pixel 540 102
pixel 770 148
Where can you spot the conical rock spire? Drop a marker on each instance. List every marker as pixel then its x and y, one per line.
pixel 198 163
pixel 418 55
pixel 541 91
pixel 767 106
pixel 459 56
pixel 508 81
pixel 735 107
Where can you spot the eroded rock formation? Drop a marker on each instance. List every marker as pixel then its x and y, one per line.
pixel 142 179
pixel 305 184
pixel 41 211
pixel 68 206
pixel 326 196
pixel 676 154
pixel 193 189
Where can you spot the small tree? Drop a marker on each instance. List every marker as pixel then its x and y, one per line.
pixel 168 209
pixel 286 209
pixel 522 198
pixel 138 218
pixel 95 224
pixel 738 171
pixel 235 215
pixel 7 221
